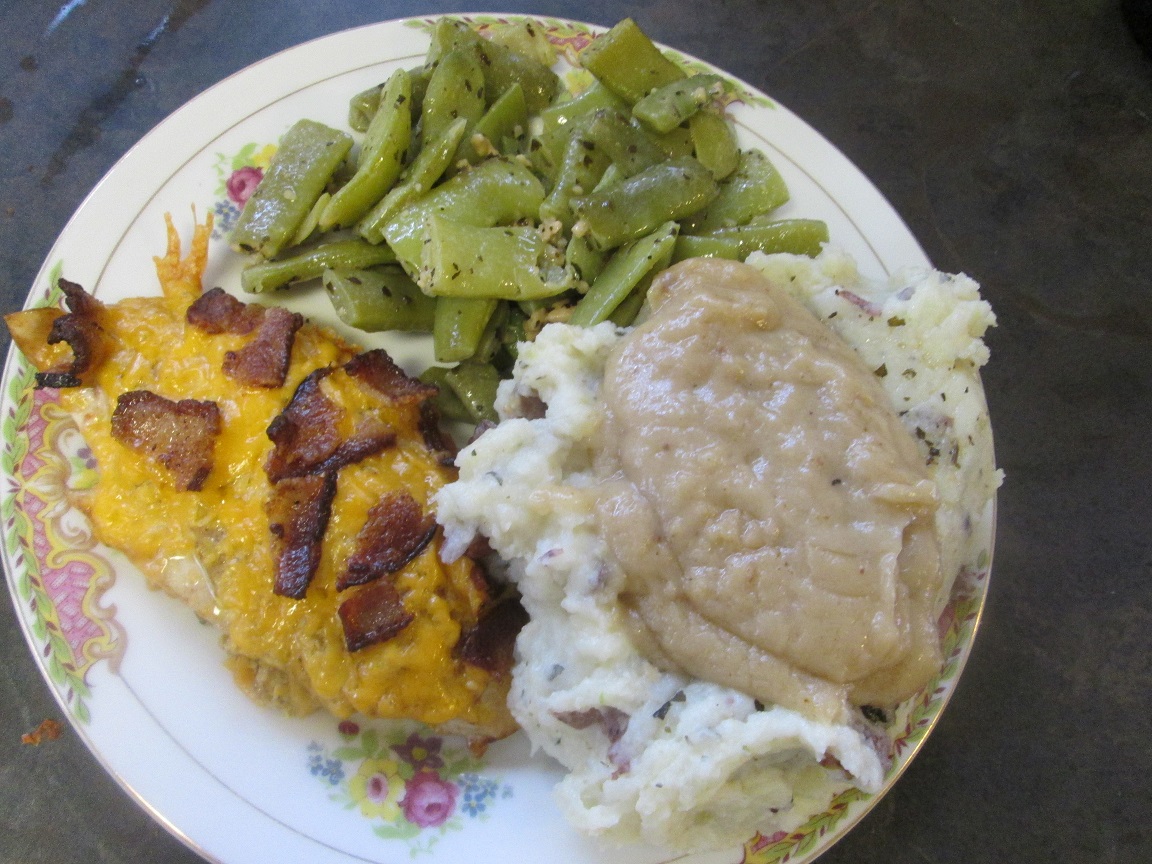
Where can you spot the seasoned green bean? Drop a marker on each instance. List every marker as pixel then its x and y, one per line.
pixel 353 254
pixel 798 236
pixel 638 205
pixel 446 400
pixel 628 63
pixel 416 181
pixel 475 385
pixel 629 147
pixel 714 141
pixel 308 155
pixel 553 126
pixel 504 262
pixel 458 326
pixel 630 266
pixel 456 89
pixel 495 192
pixel 668 106
pixel 507 118
pixel 381 156
pixel 583 165
pixel 754 188
pixel 384 298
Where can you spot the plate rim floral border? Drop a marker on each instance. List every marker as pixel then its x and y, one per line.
pixel 27 544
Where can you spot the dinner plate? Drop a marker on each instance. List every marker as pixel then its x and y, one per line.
pixel 142 681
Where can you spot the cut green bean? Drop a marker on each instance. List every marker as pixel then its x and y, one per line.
pixel 495 192
pixel 459 325
pixel 384 298
pixel 668 106
pixel 798 236
pixel 754 188
pixel 553 126
pixel 632 208
pixel 381 156
pixel 524 38
pixel 506 119
pixel 456 89
pixel 583 165
pixel 624 272
pixel 362 108
pixel 308 156
pixel 475 385
pixel 353 254
pixel 629 147
pixel 446 400
pixel 714 141
pixel 416 181
pixel 502 65
pixel 462 260
pixel 628 62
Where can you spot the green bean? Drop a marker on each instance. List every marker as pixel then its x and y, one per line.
pixel 311 220
pixel 631 265
pixel 635 207
pixel 754 188
pixel 308 155
pixel 584 260
pixel 629 147
pixel 362 108
pixel 456 89
pixel 553 126
pixel 583 165
pixel 461 260
pixel 668 106
pixel 458 326
pixel 446 400
pixel 384 298
pixel 714 141
pixel 502 65
pixel 335 254
pixel 676 143
pixel 507 118
pixel 628 63
pixel 495 192
pixel 798 236
pixel 416 181
pixel 475 385
pixel 381 156
pixel 524 38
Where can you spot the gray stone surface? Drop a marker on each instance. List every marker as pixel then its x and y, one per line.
pixel 1015 138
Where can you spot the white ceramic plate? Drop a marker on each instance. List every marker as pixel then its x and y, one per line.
pixel 142 681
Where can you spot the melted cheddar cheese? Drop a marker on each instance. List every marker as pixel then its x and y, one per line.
pixel 212 547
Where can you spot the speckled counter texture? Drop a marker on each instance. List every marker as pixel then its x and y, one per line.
pixel 1015 138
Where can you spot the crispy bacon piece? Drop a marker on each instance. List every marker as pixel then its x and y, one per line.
pixel 395 532
pixel 436 440
pixel 263 362
pixel 298 510
pixel 612 721
pixel 373 614
pixel 377 370
pixel 37 331
pixel 490 643
pixel 217 311
pixel 308 439
pixel 181 436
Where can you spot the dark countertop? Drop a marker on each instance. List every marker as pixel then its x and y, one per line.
pixel 1016 141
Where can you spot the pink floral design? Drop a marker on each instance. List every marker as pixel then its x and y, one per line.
pixel 428 800
pixel 243 182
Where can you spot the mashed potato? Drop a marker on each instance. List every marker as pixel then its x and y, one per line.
pixel 654 756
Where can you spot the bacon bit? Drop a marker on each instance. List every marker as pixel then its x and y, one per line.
pixel 489 644
pixel 377 370
pixel 612 721
pixel 308 440
pixel 217 311
pixel 48 730
pixel 438 443
pixel 298 510
pixel 395 532
pixel 263 362
pixel 37 332
pixel 181 436
pixel 373 614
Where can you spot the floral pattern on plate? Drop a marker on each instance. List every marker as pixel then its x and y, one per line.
pixel 412 786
